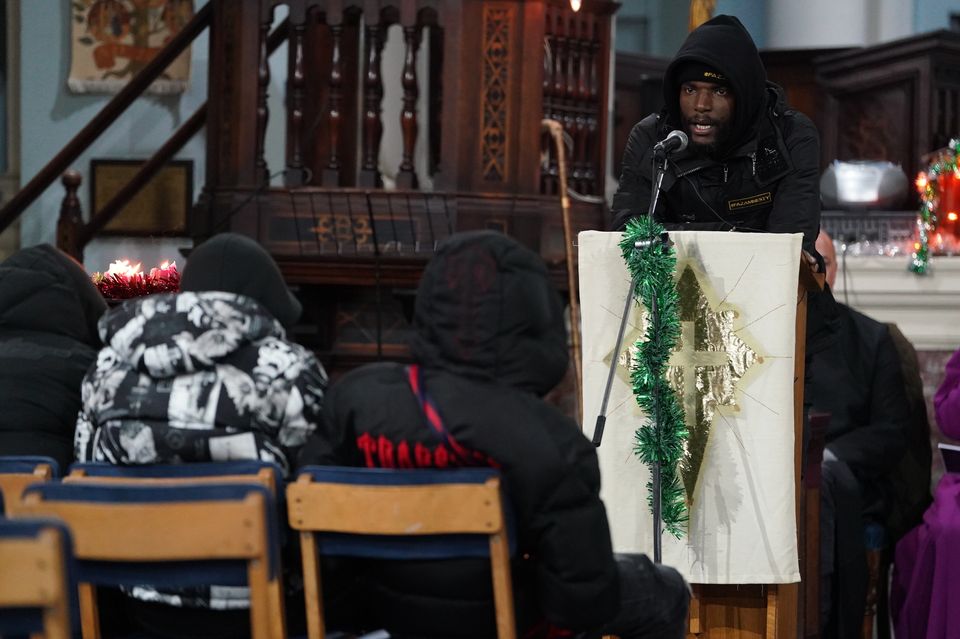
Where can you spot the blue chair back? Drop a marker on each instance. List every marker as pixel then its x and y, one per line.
pixel 169 536
pixel 402 514
pixel 268 474
pixel 446 545
pixel 38 588
pixel 19 471
pixel 28 464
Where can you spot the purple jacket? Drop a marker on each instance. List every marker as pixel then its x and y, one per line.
pixel 947 400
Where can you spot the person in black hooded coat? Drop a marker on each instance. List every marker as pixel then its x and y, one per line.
pixel 756 168
pixel 49 310
pixel 489 342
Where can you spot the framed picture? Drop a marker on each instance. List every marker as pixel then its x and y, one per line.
pixel 160 208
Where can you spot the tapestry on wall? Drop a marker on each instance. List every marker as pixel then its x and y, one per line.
pixel 111 40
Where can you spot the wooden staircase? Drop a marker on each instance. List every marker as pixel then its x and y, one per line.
pixel 494 70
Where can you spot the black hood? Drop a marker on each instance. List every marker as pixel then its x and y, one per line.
pixel 235 263
pixel 485 308
pixel 724 44
pixel 45 290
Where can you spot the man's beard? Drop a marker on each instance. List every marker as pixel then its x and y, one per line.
pixel 711 149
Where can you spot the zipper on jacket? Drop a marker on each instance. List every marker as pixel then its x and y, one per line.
pixel 725 169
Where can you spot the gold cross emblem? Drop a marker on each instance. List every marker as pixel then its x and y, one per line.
pixel 706 368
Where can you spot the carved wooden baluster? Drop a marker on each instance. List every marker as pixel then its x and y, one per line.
pixel 546 146
pixel 573 55
pixel 263 81
pixel 331 174
pixel 71 218
pixel 372 99
pixel 435 97
pixel 559 60
pixel 583 101
pixel 559 71
pixel 407 176
pixel 550 49
pixel 593 117
pixel 573 122
pixel 295 173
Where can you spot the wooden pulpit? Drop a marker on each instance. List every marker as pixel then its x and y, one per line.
pixel 750 549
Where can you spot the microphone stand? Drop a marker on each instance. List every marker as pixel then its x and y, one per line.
pixel 662 241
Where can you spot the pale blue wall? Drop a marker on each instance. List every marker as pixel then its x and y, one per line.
pixel 752 13
pixel 51 115
pixel 667 20
pixel 930 15
pixel 666 26
pixel 667 23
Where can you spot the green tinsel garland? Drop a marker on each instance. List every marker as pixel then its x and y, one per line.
pixel 661 439
pixel 929 187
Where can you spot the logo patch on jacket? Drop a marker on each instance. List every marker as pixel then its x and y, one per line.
pixel 749 202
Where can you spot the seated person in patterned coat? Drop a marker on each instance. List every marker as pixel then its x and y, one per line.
pixel 206 374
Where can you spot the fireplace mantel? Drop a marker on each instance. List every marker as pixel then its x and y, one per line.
pixel 926 308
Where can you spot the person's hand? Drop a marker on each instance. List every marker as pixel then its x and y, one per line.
pixel 812 261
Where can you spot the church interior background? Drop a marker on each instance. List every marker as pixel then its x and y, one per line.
pixel 879 77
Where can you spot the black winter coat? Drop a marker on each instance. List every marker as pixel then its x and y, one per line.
pixel 859 382
pixel 48 338
pixel 490 339
pixel 766 178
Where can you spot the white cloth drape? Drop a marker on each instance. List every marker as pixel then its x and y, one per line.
pixel 742 525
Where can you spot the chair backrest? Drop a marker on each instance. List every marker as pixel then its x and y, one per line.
pixel 402 514
pixel 168 536
pixel 267 474
pixel 37 589
pixel 19 471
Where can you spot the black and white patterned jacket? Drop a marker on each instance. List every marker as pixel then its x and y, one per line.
pixel 195 377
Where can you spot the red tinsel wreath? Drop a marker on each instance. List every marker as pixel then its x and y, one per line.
pixel 123 281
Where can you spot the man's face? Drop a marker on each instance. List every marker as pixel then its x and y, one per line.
pixel 707 112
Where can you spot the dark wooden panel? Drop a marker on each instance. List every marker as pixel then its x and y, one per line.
pixel 895 101
pixel 637 94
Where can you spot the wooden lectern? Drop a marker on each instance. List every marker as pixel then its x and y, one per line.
pixel 717 556
pixel 776 611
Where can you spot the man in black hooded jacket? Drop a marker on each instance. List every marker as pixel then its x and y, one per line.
pixel 752 164
pixel 489 342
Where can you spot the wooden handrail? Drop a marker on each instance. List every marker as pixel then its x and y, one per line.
pixel 187 130
pixel 107 115
pixel 128 191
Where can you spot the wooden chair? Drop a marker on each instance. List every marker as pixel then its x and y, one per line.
pixel 401 514
pixel 36 588
pixel 168 536
pixel 267 474
pixel 19 471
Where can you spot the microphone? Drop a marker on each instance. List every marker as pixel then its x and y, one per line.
pixel 675 141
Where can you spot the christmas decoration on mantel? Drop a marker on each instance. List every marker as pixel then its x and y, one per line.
pixel 662 439
pixel 939 188
pixel 124 280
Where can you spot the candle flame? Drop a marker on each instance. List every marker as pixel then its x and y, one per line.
pixel 952 216
pixel 124 268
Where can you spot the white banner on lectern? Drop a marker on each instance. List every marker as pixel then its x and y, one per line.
pixel 742 525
